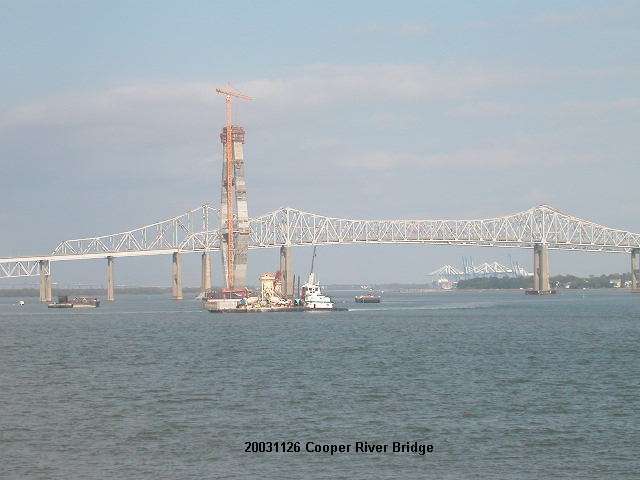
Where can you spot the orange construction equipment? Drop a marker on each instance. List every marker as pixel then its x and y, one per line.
pixel 229 93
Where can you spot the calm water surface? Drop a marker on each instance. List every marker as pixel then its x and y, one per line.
pixel 503 386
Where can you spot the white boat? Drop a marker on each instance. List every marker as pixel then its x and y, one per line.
pixel 313 297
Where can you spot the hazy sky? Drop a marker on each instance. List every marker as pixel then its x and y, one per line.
pixel 109 120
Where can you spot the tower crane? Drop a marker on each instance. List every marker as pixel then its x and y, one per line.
pixel 229 93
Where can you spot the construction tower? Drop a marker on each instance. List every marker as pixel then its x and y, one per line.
pixel 234 216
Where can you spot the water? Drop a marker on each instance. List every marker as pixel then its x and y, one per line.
pixel 502 384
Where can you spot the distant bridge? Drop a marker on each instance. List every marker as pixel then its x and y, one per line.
pixel 198 230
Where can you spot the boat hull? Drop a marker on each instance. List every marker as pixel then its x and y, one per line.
pixel 275 310
pixel 367 299
pixel 72 305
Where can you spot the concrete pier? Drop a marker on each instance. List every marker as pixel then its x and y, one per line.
pixel 176 276
pixel 544 270
pixel 286 267
pixel 49 292
pixel 45 281
pixel 207 278
pixel 110 296
pixel 536 268
pixel 541 283
pixel 635 269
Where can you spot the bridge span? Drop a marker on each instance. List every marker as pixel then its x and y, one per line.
pixel 541 228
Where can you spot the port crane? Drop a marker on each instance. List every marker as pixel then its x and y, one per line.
pixel 230 93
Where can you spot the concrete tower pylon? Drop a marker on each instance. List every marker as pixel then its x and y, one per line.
pixel 234 228
pixel 238 190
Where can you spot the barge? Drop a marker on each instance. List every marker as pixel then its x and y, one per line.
pixel 76 302
pixel 367 298
pixel 271 300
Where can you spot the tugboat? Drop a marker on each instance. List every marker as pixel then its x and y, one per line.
pixel 312 296
pixel 75 302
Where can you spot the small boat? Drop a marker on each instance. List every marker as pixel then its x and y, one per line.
pixel 367 298
pixel 21 303
pixel 76 302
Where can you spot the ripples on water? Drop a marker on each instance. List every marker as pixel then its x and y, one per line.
pixel 503 385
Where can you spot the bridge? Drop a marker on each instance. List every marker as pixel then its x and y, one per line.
pixel 230 231
pixel 540 228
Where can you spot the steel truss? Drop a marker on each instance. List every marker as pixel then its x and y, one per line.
pixel 165 235
pixel 542 224
pixel 192 232
pixel 23 268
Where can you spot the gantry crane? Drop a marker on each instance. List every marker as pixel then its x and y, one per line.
pixel 229 93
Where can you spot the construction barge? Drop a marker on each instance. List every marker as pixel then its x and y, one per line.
pixel 272 298
pixel 241 309
pixel 76 302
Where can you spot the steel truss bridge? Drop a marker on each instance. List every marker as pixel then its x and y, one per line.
pixel 198 230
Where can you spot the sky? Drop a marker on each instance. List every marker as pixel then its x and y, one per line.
pixel 109 120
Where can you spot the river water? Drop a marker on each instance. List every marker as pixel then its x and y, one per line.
pixel 502 385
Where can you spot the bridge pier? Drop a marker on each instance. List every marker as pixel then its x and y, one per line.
pixel 207 278
pixel 110 296
pixel 45 281
pixel 541 283
pixel 286 268
pixel 536 268
pixel 635 269
pixel 176 276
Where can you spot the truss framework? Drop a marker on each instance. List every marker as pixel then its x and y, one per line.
pixel 165 235
pixel 542 224
pixel 198 231
pixel 23 268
